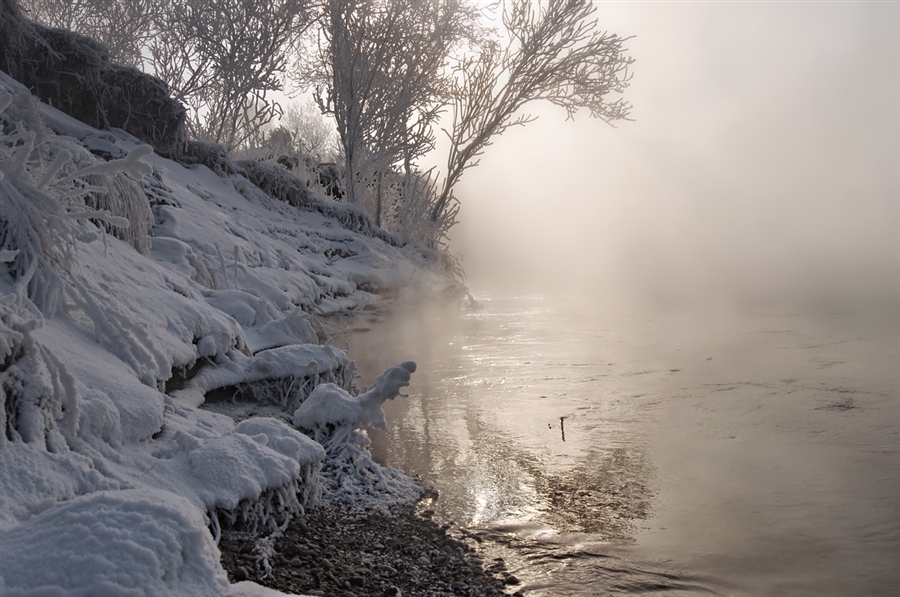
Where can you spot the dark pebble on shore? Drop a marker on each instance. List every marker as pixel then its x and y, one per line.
pixel 331 551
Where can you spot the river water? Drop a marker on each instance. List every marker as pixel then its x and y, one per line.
pixel 605 452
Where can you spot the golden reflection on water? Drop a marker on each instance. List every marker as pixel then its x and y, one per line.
pixel 730 449
pixel 515 436
pixel 514 418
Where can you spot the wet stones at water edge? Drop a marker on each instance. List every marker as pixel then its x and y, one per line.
pixel 350 554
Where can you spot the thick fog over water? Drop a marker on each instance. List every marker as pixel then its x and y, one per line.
pixel 763 163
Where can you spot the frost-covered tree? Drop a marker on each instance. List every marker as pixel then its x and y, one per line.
pixel 381 73
pixel 552 51
pixel 221 58
pixel 304 131
pixel 224 58
pixel 124 26
pixel 388 69
pixel 314 135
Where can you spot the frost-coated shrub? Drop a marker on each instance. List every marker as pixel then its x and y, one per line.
pixel 288 392
pixel 284 185
pixel 52 188
pixel 278 181
pixel 336 420
pixel 273 508
pixel 282 376
pixel 415 214
pixel 211 155
pixel 56 195
pixel 140 104
pixel 259 477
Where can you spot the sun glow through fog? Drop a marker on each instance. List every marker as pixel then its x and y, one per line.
pixel 762 159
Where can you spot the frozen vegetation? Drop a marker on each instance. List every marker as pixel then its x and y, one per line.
pixel 161 374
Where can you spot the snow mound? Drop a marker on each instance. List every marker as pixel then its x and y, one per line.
pixel 328 405
pixel 261 453
pixel 257 477
pixel 282 438
pixel 133 542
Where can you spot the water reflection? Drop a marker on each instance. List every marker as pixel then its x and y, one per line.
pixel 531 442
pixel 635 455
pixel 513 413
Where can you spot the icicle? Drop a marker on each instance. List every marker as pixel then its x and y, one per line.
pixel 216 527
pixel 64 388
pixel 6 99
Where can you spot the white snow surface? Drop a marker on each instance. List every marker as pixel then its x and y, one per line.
pixel 329 404
pixel 110 483
pixel 116 543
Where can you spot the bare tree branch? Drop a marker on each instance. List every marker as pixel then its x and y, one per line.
pixel 553 52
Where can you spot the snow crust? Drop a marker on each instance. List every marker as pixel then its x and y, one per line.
pixel 130 288
pixel 132 542
pixel 289 363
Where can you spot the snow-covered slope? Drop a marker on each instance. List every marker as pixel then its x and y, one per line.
pixel 133 286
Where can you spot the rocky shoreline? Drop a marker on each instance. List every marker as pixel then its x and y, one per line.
pixel 337 552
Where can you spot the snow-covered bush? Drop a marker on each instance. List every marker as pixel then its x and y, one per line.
pixel 259 476
pixel 324 178
pixel 281 183
pixel 281 377
pixel 211 155
pixel 336 420
pixel 277 181
pixel 50 183
pixel 407 204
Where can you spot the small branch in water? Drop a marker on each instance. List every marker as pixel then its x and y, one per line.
pixel 562 427
pixel 470 304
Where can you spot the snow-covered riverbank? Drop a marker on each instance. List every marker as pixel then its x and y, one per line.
pixel 134 288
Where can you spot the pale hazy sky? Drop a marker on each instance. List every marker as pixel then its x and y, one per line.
pixel 764 156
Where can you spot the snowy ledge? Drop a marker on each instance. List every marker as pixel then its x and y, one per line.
pixel 132 289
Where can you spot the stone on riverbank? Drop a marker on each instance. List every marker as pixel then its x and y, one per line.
pixel 331 551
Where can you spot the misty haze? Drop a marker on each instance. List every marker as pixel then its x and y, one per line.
pixel 682 371
pixel 435 297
